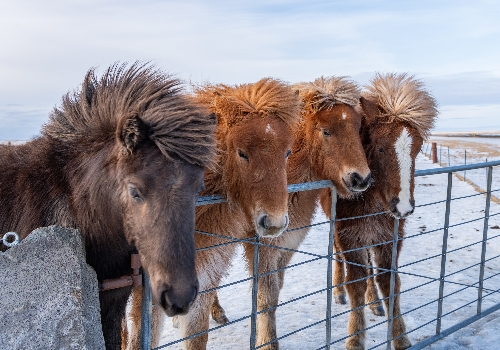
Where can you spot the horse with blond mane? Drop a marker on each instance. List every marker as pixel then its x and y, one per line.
pixel 399 114
pixel 327 146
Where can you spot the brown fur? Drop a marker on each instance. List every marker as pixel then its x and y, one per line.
pixel 121 160
pixel 254 137
pixel 326 146
pixel 380 131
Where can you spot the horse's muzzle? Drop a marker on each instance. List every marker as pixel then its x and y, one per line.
pixel 177 303
pixel 401 210
pixel 356 183
pixel 270 226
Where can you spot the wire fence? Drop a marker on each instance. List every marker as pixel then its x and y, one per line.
pixel 447 156
pixel 439 292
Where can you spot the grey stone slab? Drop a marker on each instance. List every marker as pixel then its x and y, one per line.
pixel 48 296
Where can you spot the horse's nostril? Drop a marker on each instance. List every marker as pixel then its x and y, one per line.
pixel 262 221
pixel 175 303
pixel 359 183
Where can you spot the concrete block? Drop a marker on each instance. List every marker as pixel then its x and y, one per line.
pixel 48 294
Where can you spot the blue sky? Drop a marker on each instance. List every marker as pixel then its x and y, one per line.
pixel 453 46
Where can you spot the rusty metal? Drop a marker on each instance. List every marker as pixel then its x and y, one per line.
pixel 133 280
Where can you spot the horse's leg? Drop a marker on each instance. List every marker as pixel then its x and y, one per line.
pixel 113 304
pixel 133 339
pixel 371 295
pixel 196 321
pixel 382 256
pixel 218 313
pixel 267 296
pixel 157 321
pixel 339 278
pixel 356 291
pixel 124 334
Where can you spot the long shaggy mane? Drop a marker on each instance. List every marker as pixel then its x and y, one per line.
pixel 401 97
pixel 267 97
pixel 326 92
pixel 177 126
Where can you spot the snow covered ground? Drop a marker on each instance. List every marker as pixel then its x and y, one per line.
pixel 419 299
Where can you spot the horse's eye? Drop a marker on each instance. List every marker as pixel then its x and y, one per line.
pixel 135 194
pixel 326 133
pixel 381 150
pixel 288 153
pixel 242 155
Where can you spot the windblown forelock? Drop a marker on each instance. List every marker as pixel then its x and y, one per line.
pixel 326 92
pixel 267 97
pixel 403 98
pixel 178 127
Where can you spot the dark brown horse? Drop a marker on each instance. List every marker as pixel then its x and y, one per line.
pixel 399 115
pixel 326 146
pixel 121 160
pixel 254 138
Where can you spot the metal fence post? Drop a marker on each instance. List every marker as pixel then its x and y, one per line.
pixel 146 316
pixel 485 237
pixel 255 291
pixel 390 312
pixel 443 252
pixel 465 159
pixel 329 272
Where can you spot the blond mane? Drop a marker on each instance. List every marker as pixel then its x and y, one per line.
pixel 267 97
pixel 90 115
pixel 403 98
pixel 325 92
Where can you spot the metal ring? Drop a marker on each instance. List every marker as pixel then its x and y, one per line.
pixel 11 235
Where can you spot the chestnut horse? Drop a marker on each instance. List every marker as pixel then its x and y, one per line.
pixel 399 115
pixel 254 138
pixel 326 145
pixel 122 161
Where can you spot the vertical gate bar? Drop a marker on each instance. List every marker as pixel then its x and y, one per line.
pixel 485 237
pixel 443 252
pixel 255 291
pixel 329 272
pixel 465 160
pixel 146 311
pixel 390 312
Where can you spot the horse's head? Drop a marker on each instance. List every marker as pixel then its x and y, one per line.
pixel 255 172
pixel 392 148
pixel 158 195
pixel 255 138
pixel 336 149
pixel 399 114
pixel 331 126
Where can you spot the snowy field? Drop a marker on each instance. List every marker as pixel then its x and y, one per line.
pixel 453 151
pixel 421 292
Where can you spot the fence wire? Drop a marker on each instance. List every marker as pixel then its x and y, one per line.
pixel 447 283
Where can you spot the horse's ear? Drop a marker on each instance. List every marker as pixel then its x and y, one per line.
pixel 370 110
pixel 131 132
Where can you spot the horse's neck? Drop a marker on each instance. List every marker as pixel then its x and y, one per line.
pixel 32 188
pixel 300 169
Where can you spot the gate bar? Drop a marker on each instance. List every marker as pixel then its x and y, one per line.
pixel 443 254
pixel 146 315
pixel 485 237
pixel 390 312
pixel 329 272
